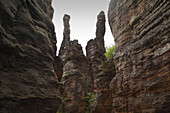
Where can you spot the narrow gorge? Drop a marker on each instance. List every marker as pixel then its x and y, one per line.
pixel 33 79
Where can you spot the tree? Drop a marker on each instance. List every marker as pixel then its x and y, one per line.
pixel 110 52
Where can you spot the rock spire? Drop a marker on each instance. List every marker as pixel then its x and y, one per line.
pixel 66 34
pixel 100 31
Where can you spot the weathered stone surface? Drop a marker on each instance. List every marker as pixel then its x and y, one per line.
pixel 104 77
pixel 100 31
pixel 101 69
pixel 50 9
pixel 28 83
pixel 66 34
pixel 142 57
pixel 76 79
pixel 103 101
pixel 95 48
pixel 58 67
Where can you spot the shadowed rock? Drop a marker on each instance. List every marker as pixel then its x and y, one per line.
pixel 28 83
pixel 58 67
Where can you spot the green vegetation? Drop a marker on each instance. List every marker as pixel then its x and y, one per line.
pixel 58 112
pixel 89 101
pixel 110 52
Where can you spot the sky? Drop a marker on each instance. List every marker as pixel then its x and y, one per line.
pixel 83 20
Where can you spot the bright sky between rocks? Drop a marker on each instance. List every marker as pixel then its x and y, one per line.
pixel 83 20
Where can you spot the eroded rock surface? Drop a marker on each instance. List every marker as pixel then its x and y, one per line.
pixel 103 101
pixel 95 48
pixel 142 57
pixel 66 34
pixel 58 67
pixel 76 77
pixel 102 70
pixel 28 83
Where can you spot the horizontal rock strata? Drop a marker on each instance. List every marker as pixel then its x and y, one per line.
pixel 142 57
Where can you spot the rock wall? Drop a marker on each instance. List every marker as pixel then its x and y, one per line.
pixel 142 57
pixel 27 51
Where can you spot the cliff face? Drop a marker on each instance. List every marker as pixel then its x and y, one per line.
pixel 30 69
pixel 142 57
pixel 27 50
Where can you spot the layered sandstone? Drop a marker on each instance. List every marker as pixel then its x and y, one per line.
pixel 142 57
pixel 28 83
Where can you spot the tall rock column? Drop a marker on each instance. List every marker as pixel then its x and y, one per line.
pixel 102 70
pixel 76 77
pixel 66 34
pixel 142 57
pixel 95 48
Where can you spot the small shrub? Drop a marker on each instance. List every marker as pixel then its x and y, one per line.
pixel 89 101
pixel 110 52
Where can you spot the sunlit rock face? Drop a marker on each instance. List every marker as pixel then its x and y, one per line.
pixel 28 83
pixel 142 57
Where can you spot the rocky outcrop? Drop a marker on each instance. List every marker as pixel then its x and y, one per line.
pixel 102 70
pixel 66 34
pixel 142 57
pixel 27 50
pixel 76 77
pixel 95 48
